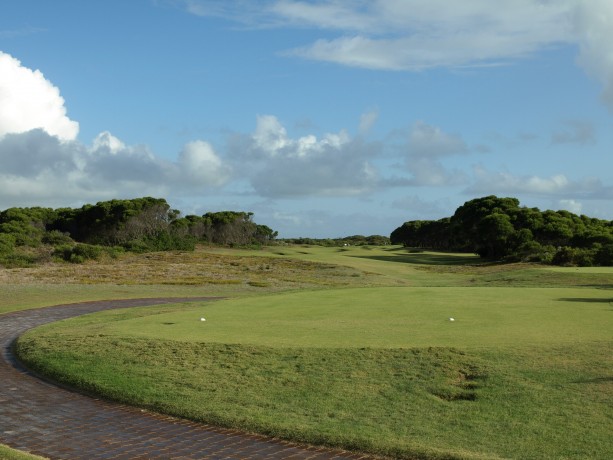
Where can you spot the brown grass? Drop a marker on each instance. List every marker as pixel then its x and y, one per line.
pixel 197 268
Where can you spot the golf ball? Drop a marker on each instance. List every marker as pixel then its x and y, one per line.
pixel 451 319
pixel 202 319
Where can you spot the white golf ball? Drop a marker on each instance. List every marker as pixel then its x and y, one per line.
pixel 451 319
pixel 202 319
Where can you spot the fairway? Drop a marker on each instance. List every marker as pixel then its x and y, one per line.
pixel 381 318
pixel 354 348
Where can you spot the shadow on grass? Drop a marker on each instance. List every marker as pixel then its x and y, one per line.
pixel 590 300
pixel 427 259
pixel 595 380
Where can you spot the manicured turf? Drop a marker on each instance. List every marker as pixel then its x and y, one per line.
pixel 523 371
pixel 379 317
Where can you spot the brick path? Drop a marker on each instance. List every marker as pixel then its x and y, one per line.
pixel 46 420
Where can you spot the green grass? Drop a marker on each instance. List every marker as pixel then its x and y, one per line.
pixel 26 296
pixel 6 453
pixel 522 373
pixel 376 317
pixel 364 357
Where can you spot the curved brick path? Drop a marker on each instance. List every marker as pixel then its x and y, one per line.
pixel 52 422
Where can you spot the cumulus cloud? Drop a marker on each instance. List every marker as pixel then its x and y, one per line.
pixel 42 163
pixel 29 101
pixel 41 169
pixel 200 165
pixel 280 166
pixel 29 154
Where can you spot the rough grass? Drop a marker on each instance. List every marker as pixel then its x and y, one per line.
pixel 6 453
pixel 523 372
pixel 203 272
pixel 183 268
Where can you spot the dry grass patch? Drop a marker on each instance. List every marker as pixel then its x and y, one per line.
pixel 189 268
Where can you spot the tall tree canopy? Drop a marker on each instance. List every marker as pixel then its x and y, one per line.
pixel 499 228
pixel 140 224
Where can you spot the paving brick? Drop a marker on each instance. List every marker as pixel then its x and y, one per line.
pixel 47 420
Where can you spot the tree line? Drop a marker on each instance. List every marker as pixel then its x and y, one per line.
pixel 500 229
pixel 139 225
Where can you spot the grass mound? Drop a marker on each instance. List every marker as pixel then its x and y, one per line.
pixel 356 398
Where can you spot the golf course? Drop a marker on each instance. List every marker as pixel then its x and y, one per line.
pixel 374 349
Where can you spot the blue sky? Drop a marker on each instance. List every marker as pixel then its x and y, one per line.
pixel 325 118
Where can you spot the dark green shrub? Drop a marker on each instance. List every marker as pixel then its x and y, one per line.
pixel 56 238
pixel 87 251
pixel 604 256
pixel 137 246
pixel 17 260
pixel 573 257
pixel 7 243
pixel 78 253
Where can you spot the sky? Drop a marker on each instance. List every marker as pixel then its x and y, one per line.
pixel 325 118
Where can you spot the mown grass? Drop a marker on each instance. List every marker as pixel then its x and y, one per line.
pixel 524 371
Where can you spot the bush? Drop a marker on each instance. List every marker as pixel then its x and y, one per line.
pixel 163 241
pixel 56 238
pixel 78 253
pixel 572 257
pixel 7 244
pixel 604 256
pixel 14 260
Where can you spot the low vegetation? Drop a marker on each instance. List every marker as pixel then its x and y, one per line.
pixel 361 352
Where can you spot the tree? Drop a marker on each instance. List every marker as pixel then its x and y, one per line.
pixel 499 228
pixel 493 234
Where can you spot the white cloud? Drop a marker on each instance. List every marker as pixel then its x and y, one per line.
pixel 594 29
pixel 570 205
pixel 278 166
pixel 199 164
pixel 420 34
pixel 29 101
pixel 488 182
pixel 105 141
pixel 414 35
